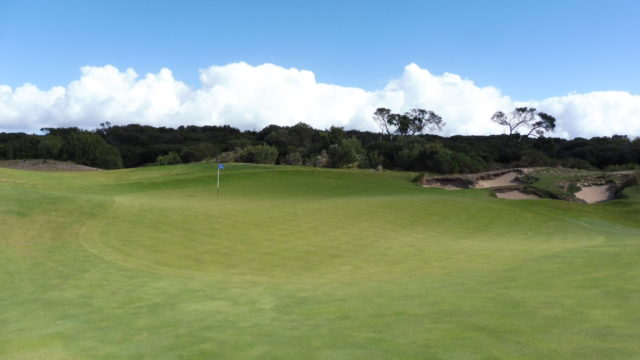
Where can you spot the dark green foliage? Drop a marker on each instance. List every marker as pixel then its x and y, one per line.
pixel 50 147
pixel 436 158
pixel 171 158
pixel 335 147
pixel 229 156
pixel 21 146
pixel 90 149
pixel 294 159
pixel 259 154
pixel 349 153
pixel 375 159
pixel 576 163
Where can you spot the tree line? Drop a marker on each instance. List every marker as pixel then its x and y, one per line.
pixel 401 144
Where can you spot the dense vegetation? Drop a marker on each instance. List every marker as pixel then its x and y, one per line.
pixel 136 145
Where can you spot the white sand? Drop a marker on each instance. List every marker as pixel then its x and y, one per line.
pixel 595 194
pixel 502 180
pixel 515 195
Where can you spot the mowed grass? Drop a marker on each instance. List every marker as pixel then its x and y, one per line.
pixel 303 263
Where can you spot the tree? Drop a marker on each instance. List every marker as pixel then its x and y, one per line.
pixel 411 122
pixel 349 153
pixel 259 154
pixel 171 158
pixel 381 117
pixel 89 149
pixel 533 121
pixel 419 119
pixel 50 147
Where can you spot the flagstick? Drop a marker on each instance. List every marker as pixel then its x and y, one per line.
pixel 218 186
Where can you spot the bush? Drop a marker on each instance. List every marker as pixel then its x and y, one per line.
pixel 294 159
pixel 349 153
pixel 259 154
pixel 90 149
pixel 437 158
pixel 169 159
pixel 229 156
pixel 322 160
pixel 375 160
pixel 50 147
pixel 575 163
pixel 622 167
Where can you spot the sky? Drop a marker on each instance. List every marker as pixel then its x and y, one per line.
pixel 253 63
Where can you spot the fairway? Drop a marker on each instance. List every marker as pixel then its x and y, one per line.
pixel 307 263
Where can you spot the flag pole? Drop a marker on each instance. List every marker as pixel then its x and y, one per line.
pixel 218 186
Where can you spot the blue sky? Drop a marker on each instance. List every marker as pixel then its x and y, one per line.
pixel 575 59
pixel 528 49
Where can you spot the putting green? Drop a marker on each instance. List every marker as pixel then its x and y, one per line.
pixel 304 263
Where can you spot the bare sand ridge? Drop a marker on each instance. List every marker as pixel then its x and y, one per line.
pixel 596 193
pixel 486 180
pixel 44 165
pixel 502 180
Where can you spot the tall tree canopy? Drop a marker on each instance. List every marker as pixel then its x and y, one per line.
pixel 532 121
pixel 412 122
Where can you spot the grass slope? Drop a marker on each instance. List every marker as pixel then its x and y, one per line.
pixel 303 263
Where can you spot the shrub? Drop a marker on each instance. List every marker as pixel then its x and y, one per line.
pixel 169 159
pixel 90 149
pixel 259 154
pixel 375 160
pixel 50 147
pixel 294 159
pixel 322 160
pixel 635 177
pixel 622 167
pixel 229 156
pixel 576 163
pixel 349 153
pixel 437 158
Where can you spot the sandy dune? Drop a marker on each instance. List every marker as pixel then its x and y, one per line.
pixel 595 194
pixel 502 180
pixel 515 195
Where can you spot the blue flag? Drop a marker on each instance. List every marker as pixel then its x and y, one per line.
pixel 220 166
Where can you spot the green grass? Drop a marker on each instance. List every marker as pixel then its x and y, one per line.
pixel 303 263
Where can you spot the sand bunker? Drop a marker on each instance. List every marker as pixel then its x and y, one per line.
pixel 516 195
pixel 595 194
pixel 448 183
pixel 486 180
pixel 500 181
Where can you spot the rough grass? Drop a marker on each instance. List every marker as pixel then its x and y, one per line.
pixel 300 263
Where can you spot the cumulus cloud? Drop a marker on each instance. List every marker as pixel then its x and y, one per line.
pixel 252 97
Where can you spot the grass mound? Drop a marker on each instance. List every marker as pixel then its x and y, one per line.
pixel 307 263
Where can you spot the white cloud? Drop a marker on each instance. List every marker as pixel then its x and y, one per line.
pixel 251 97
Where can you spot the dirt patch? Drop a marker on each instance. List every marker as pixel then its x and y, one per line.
pixel 596 193
pixel 449 183
pixel 507 179
pixel 44 165
pixel 516 195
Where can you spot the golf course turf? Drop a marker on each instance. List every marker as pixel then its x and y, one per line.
pixel 306 263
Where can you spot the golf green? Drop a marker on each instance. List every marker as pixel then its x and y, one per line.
pixel 306 263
